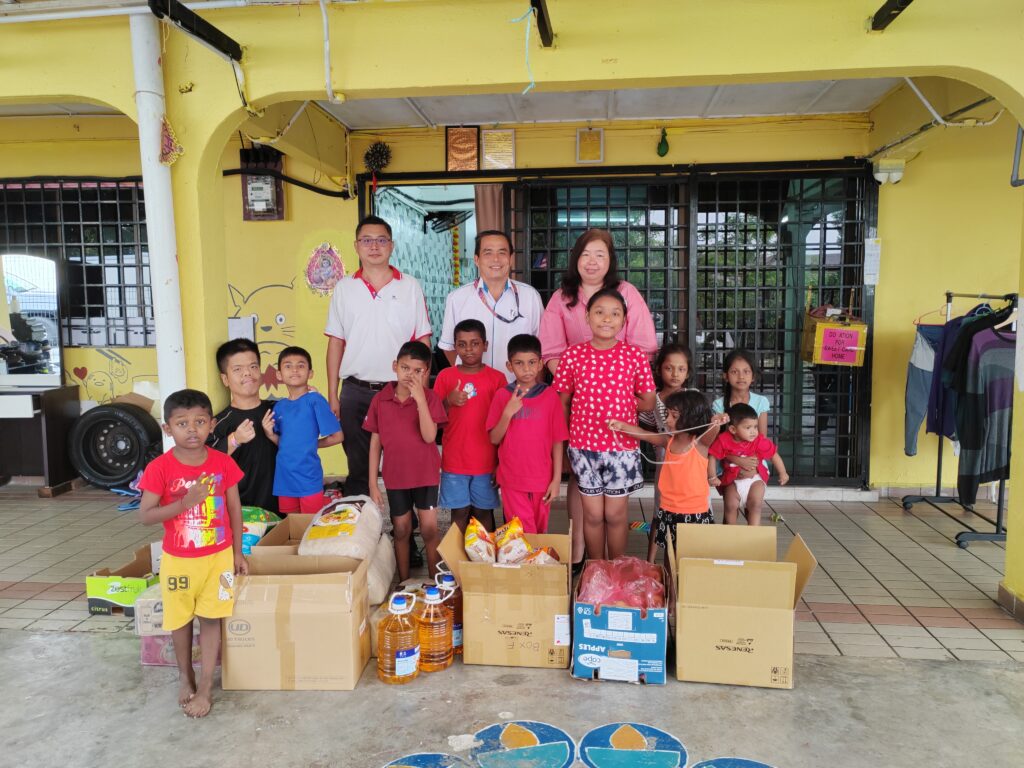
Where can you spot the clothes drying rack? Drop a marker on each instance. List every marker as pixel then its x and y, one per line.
pixel 964 538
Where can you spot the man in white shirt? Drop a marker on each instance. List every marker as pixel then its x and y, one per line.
pixel 372 314
pixel 506 307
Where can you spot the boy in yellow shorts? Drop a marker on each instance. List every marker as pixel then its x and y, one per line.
pixel 194 493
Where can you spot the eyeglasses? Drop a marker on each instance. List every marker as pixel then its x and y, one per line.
pixel 366 242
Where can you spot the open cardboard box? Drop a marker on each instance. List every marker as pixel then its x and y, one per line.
pixel 114 591
pixel 514 615
pixel 283 538
pixel 735 605
pixel 300 623
pixel 620 643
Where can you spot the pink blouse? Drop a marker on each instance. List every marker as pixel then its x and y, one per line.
pixel 561 326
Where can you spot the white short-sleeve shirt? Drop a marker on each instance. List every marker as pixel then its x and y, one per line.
pixel 375 324
pixel 517 310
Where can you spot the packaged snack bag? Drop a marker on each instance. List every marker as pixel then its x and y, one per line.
pixel 259 515
pixel 251 534
pixel 512 547
pixel 479 543
pixel 348 528
pixel 542 556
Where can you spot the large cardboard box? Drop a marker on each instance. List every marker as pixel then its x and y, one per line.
pixel 736 602
pixel 283 538
pixel 108 592
pixel 513 616
pixel 625 644
pixel 300 623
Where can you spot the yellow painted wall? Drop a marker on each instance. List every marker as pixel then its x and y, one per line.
pixel 952 223
pixel 266 275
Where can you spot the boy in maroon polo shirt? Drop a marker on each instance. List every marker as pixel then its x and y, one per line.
pixel 402 420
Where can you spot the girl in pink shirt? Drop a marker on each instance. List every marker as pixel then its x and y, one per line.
pixel 598 380
pixel 593 266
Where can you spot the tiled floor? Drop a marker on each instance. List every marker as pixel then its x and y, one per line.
pixel 889 583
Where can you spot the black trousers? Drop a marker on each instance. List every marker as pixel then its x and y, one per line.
pixel 355 402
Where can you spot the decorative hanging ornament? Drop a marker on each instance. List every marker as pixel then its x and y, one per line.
pixel 170 149
pixel 324 269
pixel 456 259
pixel 663 144
pixel 376 159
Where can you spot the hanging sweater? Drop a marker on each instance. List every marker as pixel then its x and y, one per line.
pixel 984 412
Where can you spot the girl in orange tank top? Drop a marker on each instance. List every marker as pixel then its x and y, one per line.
pixel 684 482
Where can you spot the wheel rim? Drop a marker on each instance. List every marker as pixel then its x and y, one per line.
pixel 111 448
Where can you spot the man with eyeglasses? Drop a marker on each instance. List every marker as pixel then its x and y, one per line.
pixel 506 307
pixel 372 313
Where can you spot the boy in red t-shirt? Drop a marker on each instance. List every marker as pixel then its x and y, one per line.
pixel 468 457
pixel 527 423
pixel 193 491
pixel 743 438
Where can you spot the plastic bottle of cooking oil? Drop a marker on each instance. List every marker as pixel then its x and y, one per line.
pixel 434 621
pixel 447 583
pixel 398 645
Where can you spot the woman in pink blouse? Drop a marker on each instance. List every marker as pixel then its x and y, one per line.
pixel 592 266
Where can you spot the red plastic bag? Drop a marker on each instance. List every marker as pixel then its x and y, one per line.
pixel 626 582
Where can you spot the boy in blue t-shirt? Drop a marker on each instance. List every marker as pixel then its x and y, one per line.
pixel 303 424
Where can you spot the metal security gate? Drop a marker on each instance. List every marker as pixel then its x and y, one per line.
pixel 761 245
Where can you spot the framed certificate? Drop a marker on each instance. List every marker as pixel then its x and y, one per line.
pixel 498 149
pixel 462 148
pixel 590 145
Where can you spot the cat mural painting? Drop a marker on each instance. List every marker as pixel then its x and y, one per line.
pixel 372 314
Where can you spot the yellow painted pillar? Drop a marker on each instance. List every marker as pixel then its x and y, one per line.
pixel 1011 589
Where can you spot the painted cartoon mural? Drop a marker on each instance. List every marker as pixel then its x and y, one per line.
pixel 104 373
pixel 273 305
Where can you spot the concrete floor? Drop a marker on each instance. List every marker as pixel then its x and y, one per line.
pixel 83 700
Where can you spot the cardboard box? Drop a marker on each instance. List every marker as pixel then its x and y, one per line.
pixel 158 651
pixel 735 609
pixel 835 341
pixel 624 644
pixel 300 623
pixel 513 616
pixel 149 613
pixel 109 592
pixel 283 538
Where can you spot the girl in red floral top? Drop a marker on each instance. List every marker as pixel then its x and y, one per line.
pixel 599 380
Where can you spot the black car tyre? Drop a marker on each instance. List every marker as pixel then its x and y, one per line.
pixel 111 444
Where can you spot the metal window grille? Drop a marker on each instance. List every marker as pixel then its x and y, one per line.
pixel 761 245
pixel 96 232
pixel 648 224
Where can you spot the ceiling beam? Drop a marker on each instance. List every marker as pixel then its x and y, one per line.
pixel 547 34
pixel 711 101
pixel 887 14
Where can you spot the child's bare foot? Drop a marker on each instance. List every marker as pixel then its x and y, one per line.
pixel 199 705
pixel 186 690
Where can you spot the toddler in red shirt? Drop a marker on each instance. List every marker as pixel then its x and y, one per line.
pixel 468 457
pixel 739 489
pixel 527 423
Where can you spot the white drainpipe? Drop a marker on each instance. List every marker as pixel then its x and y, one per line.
pixel 163 247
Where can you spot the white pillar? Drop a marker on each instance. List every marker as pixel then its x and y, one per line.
pixel 163 246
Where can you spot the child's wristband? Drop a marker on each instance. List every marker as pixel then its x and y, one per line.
pixel 232 442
